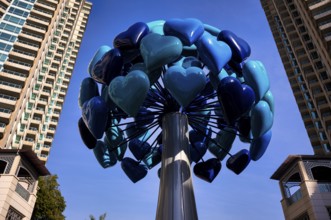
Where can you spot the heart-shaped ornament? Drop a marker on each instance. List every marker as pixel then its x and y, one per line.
pixel 184 84
pixel 95 115
pixel 261 119
pixel 104 157
pixel 207 170
pixel 97 57
pixel 197 151
pixel 260 145
pixel 87 137
pixel 236 99
pixel 269 98
pixel 239 47
pixel 215 54
pixel 158 50
pixel 129 92
pixel 156 27
pixel 133 169
pixel 139 148
pixel 88 89
pixel 223 142
pixel 188 30
pixel 153 158
pixel 238 162
pixel 114 136
pixel 131 38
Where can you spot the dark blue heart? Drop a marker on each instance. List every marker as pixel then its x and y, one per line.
pixel 88 89
pixel 235 98
pixel 197 136
pixel 139 148
pixel 110 66
pixel 197 151
pixel 208 90
pixel 238 162
pixel 133 169
pixel 236 68
pixel 153 158
pixel 260 145
pixel 105 158
pixel 130 39
pixel 106 98
pixel 95 116
pixel 244 127
pixel 207 170
pixel 187 30
pixel 240 48
pixel 88 139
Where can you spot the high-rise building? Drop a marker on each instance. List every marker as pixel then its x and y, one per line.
pixel 302 32
pixel 39 43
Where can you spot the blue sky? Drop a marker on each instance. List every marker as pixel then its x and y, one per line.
pixel 90 189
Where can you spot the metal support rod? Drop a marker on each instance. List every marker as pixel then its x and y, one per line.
pixel 176 196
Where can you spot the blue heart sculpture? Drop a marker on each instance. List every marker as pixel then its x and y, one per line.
pixel 239 47
pixel 269 98
pixel 95 116
pixel 113 137
pixel 260 145
pixel 184 84
pixel 158 50
pixel 133 169
pixel 152 159
pixel 88 89
pixel 238 162
pixel 97 57
pixel 153 75
pixel 236 99
pixel 88 139
pixel 197 151
pixel 215 54
pixel 207 170
pixel 211 30
pixel 110 66
pixel 131 38
pixel 244 128
pixel 225 139
pixel 105 96
pixel 129 92
pixel 104 157
pixel 261 119
pixel 156 27
pixel 256 76
pixel 188 30
pixel 139 148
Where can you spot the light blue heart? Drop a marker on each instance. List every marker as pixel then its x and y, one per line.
pixel 97 56
pixel 212 30
pixel 224 138
pixel 156 27
pixel 259 146
pixel 256 76
pixel 129 92
pixel 184 84
pixel 261 119
pixel 269 98
pixel 158 50
pixel 215 54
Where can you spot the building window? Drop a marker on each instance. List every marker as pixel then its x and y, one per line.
pixel 13 214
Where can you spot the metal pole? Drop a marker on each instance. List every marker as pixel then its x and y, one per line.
pixel 176 196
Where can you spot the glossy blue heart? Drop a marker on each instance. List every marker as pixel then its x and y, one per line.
pixel 158 50
pixel 261 119
pixel 260 145
pixel 207 170
pixel 88 89
pixel 211 29
pixel 152 159
pixel 197 151
pixel 235 98
pixel 196 136
pixel 104 157
pixel 239 47
pixel 188 30
pixel 239 161
pixel 269 98
pixel 95 115
pixel 85 134
pixel 131 38
pixel 156 27
pixel 105 96
pixel 133 169
pixel 129 92
pixel 244 128
pixel 256 76
pixel 139 148
pixel 113 137
pixel 97 57
pixel 110 66
pixel 224 140
pixel 184 84
pixel 153 75
pixel 215 54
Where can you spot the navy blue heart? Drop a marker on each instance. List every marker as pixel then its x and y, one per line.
pixel 238 162
pixel 130 39
pixel 244 127
pixel 133 169
pixel 110 66
pixel 88 89
pixel 95 115
pixel 88 139
pixel 239 47
pixel 207 170
pixel 260 145
pixel 236 99
pixel 139 148
pixel 197 151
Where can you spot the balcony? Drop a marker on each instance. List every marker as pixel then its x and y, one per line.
pixel 20 190
pixel 28 143
pixel 39 20
pixel 27 45
pixel 18 64
pixel 7 101
pixel 294 197
pixel 13 76
pixel 43 13
pixel 13 89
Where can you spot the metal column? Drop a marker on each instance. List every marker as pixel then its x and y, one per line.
pixel 176 196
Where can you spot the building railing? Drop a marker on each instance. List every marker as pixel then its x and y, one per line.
pixel 14 73
pixel 295 197
pixel 19 62
pixel 25 53
pixel 28 43
pixel 2 125
pixel 4 110
pixel 324 187
pixel 25 194
pixel 8 97
pixel 10 84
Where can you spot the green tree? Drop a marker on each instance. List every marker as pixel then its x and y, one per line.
pixel 101 217
pixel 50 203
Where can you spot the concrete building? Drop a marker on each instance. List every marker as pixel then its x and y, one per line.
pixel 39 43
pixel 302 32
